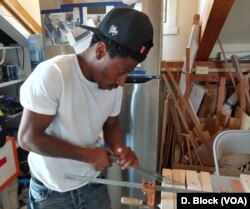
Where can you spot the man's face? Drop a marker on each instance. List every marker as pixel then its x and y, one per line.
pixel 113 72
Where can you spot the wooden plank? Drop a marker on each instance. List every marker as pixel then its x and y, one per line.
pixel 194 167
pixel 245 121
pixel 176 121
pixel 190 111
pixel 227 64
pixel 207 103
pixel 198 155
pixel 167 153
pixel 243 117
pixel 236 186
pixel 185 126
pixel 206 155
pixel 187 73
pixel 245 182
pixel 188 149
pixel 179 178
pixel 177 155
pixel 186 103
pixel 226 115
pixel 163 135
pixel 213 66
pixel 168 199
pixel 192 180
pixel 209 125
pixel 212 89
pixel 244 93
pixel 220 102
pixel 234 123
pixel 168 173
pixel 191 50
pixel 206 183
pixel 218 12
pixel 22 16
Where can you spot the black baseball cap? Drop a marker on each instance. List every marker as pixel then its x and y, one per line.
pixel 128 27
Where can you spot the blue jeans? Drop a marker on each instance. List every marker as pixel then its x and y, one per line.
pixel 90 196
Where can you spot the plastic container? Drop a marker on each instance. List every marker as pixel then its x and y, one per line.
pixel 35 43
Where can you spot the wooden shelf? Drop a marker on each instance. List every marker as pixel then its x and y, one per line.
pixel 9 83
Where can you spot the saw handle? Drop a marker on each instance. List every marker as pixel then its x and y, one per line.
pixel 131 201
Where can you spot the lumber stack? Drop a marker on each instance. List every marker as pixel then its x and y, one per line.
pixel 200 182
pixel 191 123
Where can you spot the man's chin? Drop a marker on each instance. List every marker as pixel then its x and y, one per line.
pixel 108 87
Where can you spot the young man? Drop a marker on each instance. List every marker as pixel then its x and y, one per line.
pixel 68 101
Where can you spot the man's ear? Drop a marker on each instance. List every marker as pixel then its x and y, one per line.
pixel 101 50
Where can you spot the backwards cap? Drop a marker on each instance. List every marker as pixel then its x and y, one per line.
pixel 127 27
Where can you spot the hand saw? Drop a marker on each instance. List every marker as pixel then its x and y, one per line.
pixel 169 188
pixel 152 175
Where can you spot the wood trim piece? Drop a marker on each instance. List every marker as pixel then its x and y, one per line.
pixel 212 26
pixel 22 16
pixel 218 65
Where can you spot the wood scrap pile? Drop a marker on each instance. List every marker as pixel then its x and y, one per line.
pixel 190 126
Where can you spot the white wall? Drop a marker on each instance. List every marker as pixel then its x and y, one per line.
pixel 174 46
pixel 235 34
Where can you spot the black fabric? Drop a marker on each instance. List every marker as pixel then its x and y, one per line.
pixel 128 27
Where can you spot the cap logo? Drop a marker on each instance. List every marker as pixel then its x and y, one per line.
pixel 113 30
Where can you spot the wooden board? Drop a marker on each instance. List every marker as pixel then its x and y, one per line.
pixel 205 180
pixel 179 178
pixel 192 180
pixel 168 199
pixel 245 182
pixel 236 185
pixel 163 135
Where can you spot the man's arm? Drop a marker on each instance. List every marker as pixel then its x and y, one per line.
pixel 113 138
pixel 31 137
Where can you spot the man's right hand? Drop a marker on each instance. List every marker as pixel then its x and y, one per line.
pixel 100 159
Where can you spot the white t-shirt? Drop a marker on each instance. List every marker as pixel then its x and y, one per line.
pixel 58 87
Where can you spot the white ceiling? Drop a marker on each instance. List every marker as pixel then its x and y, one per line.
pixel 236 29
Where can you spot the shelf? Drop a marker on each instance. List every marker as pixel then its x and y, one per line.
pixel 10 47
pixel 9 83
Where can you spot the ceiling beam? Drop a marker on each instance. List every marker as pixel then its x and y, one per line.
pixel 15 8
pixel 212 21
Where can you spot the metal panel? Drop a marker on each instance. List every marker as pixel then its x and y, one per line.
pixel 140 110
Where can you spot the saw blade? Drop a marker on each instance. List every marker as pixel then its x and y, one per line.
pixel 170 188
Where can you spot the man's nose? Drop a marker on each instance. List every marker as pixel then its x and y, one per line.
pixel 121 80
